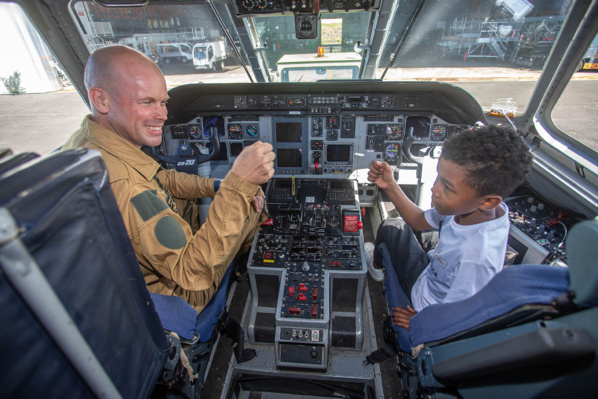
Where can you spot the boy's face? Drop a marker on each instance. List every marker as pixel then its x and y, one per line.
pixel 450 194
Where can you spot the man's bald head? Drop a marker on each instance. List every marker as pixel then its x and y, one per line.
pixel 107 66
pixel 128 94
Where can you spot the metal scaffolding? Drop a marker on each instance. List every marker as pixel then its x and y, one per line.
pixel 507 40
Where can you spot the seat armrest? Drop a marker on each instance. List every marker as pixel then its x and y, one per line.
pixel 545 346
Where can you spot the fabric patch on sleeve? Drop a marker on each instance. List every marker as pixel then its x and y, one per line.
pixel 148 204
pixel 169 233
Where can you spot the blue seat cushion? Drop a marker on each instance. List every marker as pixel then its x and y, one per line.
pixel 510 289
pixel 175 314
pixel 178 316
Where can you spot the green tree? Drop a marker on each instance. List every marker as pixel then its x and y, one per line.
pixel 13 83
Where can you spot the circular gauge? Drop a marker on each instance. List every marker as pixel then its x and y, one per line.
pixel 452 130
pixel 394 132
pixel 252 130
pixel 234 131
pixel 317 127
pixel 387 101
pixel 391 151
pixel 332 135
pixel 195 132
pixel 438 132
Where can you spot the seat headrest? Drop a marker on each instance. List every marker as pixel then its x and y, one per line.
pixel 582 253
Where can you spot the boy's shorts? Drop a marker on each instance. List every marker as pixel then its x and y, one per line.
pixel 407 256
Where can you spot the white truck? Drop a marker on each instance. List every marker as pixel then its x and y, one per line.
pixel 170 52
pixel 209 55
pixel 314 67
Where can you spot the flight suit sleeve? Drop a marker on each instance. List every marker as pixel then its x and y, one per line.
pixel 168 250
pixel 186 186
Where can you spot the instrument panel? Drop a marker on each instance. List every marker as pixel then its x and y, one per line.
pixel 327 134
pixel 319 144
pixel 277 7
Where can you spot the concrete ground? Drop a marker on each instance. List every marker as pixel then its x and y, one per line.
pixel 39 122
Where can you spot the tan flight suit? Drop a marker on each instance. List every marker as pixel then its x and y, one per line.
pixel 174 259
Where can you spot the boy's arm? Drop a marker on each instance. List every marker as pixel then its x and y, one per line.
pixel 381 175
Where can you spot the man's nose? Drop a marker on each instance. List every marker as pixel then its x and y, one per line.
pixel 161 113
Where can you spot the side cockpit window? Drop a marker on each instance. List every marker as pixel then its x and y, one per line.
pixel 575 112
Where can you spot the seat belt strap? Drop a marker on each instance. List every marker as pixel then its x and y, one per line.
pixel 380 355
pixel 230 327
pixel 388 350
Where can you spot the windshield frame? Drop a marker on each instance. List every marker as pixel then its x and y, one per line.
pixel 572 43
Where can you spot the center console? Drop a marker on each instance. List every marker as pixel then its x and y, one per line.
pixel 307 271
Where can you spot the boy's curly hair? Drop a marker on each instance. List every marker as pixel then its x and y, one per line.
pixel 497 158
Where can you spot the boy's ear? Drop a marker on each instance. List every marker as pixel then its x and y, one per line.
pixel 100 100
pixel 491 201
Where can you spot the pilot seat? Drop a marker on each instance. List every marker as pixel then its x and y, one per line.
pixel 530 332
pixel 77 319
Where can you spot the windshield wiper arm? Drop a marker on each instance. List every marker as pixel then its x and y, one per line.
pixel 230 39
pixel 393 55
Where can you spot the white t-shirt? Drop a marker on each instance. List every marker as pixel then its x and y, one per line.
pixel 464 260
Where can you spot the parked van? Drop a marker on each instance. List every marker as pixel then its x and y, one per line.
pixel 209 55
pixel 170 52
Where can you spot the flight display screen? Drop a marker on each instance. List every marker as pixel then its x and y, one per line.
pixel 235 149
pixel 289 158
pixel 289 132
pixel 418 127
pixel 340 153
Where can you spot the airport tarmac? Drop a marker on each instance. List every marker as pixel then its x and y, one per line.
pixel 42 122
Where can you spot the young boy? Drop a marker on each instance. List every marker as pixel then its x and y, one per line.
pixel 476 170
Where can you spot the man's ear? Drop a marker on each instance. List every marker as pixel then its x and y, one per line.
pixel 100 100
pixel 490 201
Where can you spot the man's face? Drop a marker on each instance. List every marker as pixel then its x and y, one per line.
pixel 138 108
pixel 450 194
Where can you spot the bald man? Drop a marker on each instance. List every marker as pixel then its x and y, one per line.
pixel 128 95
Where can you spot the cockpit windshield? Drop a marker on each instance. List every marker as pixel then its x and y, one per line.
pixel 494 49
pixel 468 43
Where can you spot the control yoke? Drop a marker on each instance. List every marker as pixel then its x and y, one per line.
pixel 189 150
